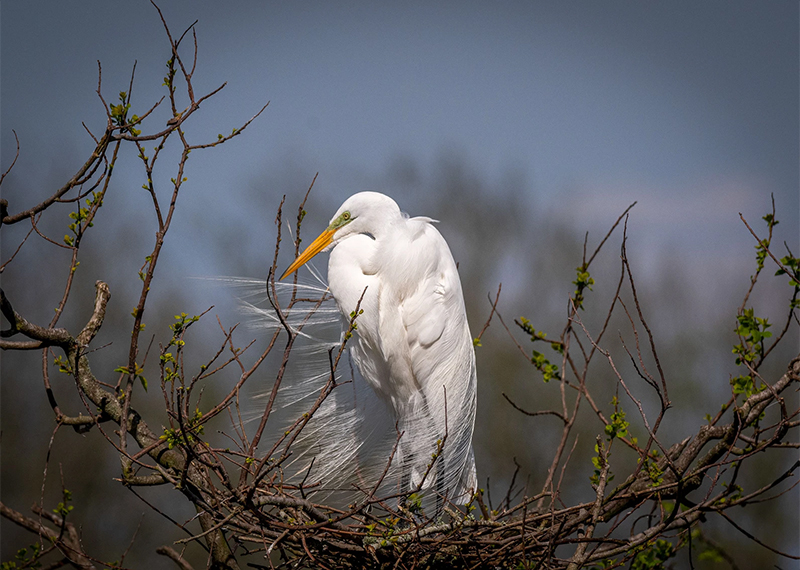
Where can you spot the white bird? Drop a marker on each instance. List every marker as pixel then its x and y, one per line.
pixel 412 343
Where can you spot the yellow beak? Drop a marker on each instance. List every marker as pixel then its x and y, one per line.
pixel 323 241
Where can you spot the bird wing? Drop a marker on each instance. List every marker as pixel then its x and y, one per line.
pixel 433 314
pixel 415 303
pixel 442 361
pixel 424 333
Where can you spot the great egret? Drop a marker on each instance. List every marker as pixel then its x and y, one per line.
pixel 412 343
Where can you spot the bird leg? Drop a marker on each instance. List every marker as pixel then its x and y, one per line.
pixel 440 487
pixel 405 480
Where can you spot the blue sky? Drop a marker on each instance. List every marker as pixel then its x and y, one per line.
pixel 689 108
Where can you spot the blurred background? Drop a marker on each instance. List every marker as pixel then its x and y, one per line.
pixel 520 126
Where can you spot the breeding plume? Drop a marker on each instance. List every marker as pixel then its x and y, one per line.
pixel 412 344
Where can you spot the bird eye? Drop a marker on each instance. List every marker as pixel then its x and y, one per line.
pixel 344 218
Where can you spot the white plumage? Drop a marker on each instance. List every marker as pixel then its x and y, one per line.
pixel 412 345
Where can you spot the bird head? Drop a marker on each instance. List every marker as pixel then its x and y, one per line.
pixel 363 213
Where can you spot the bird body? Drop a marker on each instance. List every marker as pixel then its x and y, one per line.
pixel 412 343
